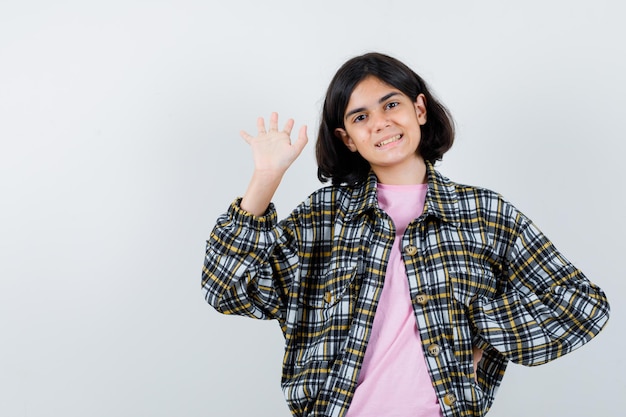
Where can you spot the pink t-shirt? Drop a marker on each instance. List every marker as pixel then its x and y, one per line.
pixel 394 380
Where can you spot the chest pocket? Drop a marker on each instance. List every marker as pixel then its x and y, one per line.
pixel 326 310
pixel 469 285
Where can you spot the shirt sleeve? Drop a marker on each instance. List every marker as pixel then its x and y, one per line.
pixel 250 263
pixel 549 308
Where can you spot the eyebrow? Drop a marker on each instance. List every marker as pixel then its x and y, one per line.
pixel 381 100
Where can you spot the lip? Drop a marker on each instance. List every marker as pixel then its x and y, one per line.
pixel 388 140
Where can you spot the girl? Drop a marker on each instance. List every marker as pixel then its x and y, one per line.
pixel 399 292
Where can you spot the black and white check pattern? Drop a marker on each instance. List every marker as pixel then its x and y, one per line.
pixel 480 274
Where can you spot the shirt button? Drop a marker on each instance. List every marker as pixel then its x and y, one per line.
pixel 410 250
pixel 328 297
pixel 421 299
pixel 449 399
pixel 434 350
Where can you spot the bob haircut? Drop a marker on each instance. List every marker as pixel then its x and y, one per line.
pixel 334 160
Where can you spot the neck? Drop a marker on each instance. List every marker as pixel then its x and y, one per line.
pixel 414 173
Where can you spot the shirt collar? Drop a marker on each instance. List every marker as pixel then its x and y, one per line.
pixel 441 197
pixel 442 200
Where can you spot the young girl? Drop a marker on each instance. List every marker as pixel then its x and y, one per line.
pixel 399 292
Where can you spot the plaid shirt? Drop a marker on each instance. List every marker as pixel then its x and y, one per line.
pixel 480 274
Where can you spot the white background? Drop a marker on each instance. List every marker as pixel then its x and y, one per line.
pixel 119 147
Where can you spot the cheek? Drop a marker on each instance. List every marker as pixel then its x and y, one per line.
pixel 357 134
pixel 415 123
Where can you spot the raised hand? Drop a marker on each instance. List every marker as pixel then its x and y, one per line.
pixel 273 153
pixel 272 149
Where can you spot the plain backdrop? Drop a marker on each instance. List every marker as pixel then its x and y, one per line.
pixel 119 147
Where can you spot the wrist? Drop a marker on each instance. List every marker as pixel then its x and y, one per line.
pixel 267 176
pixel 260 191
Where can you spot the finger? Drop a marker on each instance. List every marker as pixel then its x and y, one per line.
pixel 288 126
pixel 247 137
pixel 274 121
pixel 260 125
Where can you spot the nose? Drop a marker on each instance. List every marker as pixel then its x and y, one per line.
pixel 379 120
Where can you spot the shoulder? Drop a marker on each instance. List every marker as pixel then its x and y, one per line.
pixel 476 201
pixel 326 202
pixel 467 193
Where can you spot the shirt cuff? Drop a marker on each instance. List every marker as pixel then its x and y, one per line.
pixel 264 223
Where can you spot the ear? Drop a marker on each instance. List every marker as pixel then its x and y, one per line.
pixel 420 109
pixel 345 138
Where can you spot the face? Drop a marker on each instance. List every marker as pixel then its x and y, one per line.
pixel 383 124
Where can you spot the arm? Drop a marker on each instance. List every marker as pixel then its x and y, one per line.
pixel 548 308
pixel 250 264
pixel 250 259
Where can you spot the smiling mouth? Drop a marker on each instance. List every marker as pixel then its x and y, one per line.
pixel 388 141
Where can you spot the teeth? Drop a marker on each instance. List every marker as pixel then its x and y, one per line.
pixel 393 139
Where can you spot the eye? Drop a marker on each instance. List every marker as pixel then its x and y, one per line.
pixel 391 105
pixel 358 118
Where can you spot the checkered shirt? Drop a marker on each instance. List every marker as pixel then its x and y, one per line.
pixel 480 274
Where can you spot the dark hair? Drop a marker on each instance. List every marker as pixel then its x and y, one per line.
pixel 334 160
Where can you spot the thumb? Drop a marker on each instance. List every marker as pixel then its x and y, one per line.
pixel 302 140
pixel 246 136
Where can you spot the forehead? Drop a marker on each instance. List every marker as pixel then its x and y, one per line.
pixel 369 91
